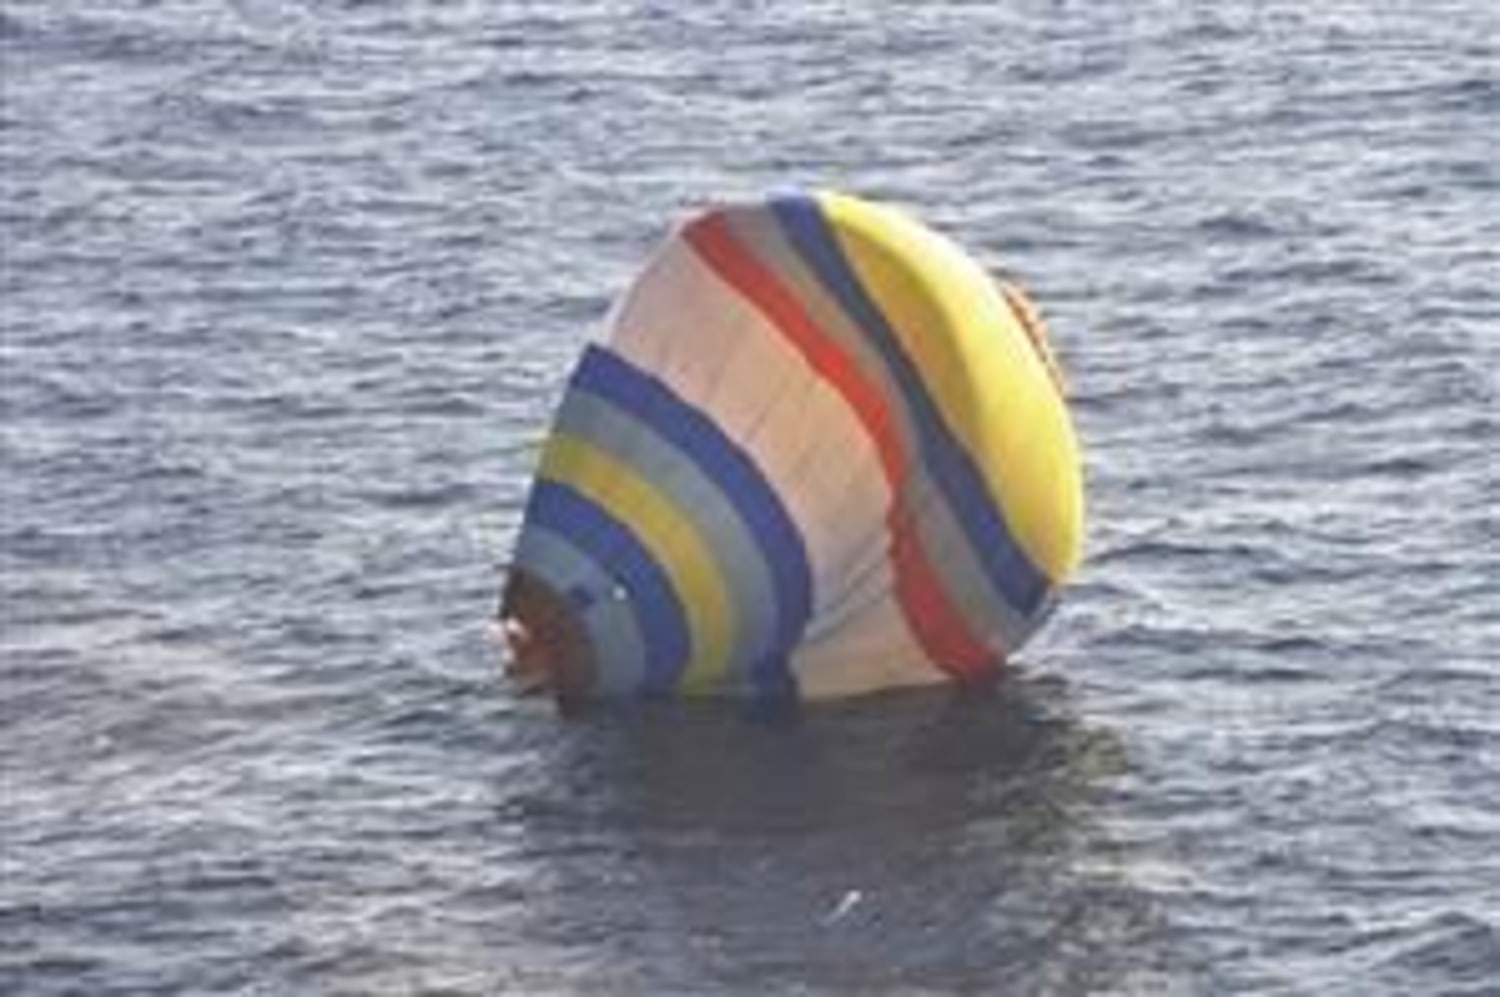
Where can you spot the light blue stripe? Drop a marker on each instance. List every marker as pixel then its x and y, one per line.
pixel 618 651
pixel 647 587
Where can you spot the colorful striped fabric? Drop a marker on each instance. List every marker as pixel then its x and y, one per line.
pixel 819 452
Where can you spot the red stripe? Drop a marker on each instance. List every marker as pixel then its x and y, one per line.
pixel 936 623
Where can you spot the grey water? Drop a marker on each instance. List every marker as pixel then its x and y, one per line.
pixel 287 291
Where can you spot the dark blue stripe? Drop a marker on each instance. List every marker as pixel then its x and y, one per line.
pixel 596 533
pixel 736 476
pixel 1017 580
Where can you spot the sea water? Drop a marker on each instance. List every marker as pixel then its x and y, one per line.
pixel 287 292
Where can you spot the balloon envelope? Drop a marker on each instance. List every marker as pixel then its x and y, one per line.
pixel 817 452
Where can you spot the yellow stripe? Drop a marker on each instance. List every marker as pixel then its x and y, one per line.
pixel 676 543
pixel 981 370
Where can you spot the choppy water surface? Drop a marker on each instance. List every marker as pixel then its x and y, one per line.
pixel 289 288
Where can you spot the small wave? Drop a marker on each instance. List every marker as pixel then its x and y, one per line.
pixel 199 115
pixel 1238 227
pixel 1454 946
pixel 12 28
pixel 423 497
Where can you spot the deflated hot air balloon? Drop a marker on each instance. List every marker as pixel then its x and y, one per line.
pixel 817 452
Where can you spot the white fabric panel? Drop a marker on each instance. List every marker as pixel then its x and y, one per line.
pixel 838 480
pixel 874 651
pixel 855 593
pixel 802 435
pixel 671 315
